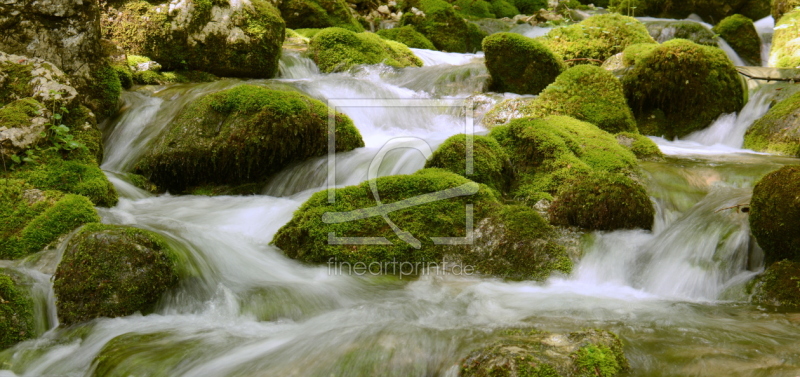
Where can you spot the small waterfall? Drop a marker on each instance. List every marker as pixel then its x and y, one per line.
pixel 295 65
pixel 765 28
pixel 433 57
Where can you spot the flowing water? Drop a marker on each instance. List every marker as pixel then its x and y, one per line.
pixel 674 295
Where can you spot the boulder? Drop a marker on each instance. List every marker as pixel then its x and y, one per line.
pixel 595 39
pixel 438 21
pixel 33 218
pixel 407 36
pixel 785 50
pixel 741 35
pixel 242 135
pixel 237 38
pixel 317 14
pixel 22 126
pixel 680 87
pixel 16 312
pixel 519 64
pixel 112 271
pixel 778 286
pixel 530 6
pixel 490 164
pixel 522 352
pixel 778 131
pixel 775 214
pixel 337 49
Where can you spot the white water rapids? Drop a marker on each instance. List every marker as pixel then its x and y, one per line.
pixel 673 295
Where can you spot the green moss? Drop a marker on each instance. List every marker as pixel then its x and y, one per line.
pixel 587 93
pixel 106 88
pixel 441 25
pixel 519 64
pixel 712 11
pixel 135 60
pixel 597 360
pixel 336 49
pixel 603 201
pixel 780 8
pixel 16 83
pixel 112 271
pixel 408 36
pixel 71 177
pixel 150 30
pixel 775 214
pixel 141 182
pixel 474 8
pixel 306 236
pixel 30 219
pixel 598 37
pixel 778 286
pixel 546 153
pixel 741 35
pixel 778 131
pixel 242 135
pixel 503 8
pixel 308 33
pixel 165 78
pixel 16 312
pixel 151 354
pixel 490 164
pixel 125 75
pixel 19 113
pixel 530 6
pixel 690 84
pixel 475 37
pixel 642 146
pixel 634 53
pixel 785 50
pixel 300 14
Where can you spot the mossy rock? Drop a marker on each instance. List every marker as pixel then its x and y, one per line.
pixel 785 50
pixel 663 31
pixel 147 354
pixel 522 352
pixel 232 39
pixel 490 164
pixel 337 49
pixel 603 201
pixel 530 6
pixel 31 218
pixel 634 53
pixel 407 36
pixel 165 78
pixel 442 26
pixel 741 35
pixel 72 177
pixel 516 243
pixel 106 88
pixel 16 312
pixel 317 14
pixel 306 236
pixel 778 286
pixel 778 131
pixel 519 64
pixel 681 87
pixel 588 93
pixel 712 11
pixel 775 214
pixel 112 271
pixel 642 146
pixel 596 38
pixel 503 8
pixel 781 7
pixel 124 74
pixel 547 153
pixel 474 8
pixel 242 135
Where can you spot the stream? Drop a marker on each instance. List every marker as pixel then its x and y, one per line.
pixel 675 296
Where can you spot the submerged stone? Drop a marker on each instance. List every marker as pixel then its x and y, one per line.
pixel 112 271
pixel 242 135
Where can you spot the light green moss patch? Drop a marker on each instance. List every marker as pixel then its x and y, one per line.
pixel 407 36
pixel 336 49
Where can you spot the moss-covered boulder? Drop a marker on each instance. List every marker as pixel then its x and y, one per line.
pixel 516 243
pixel 428 204
pixel 547 153
pixel 16 311
pixel 781 7
pixel 588 93
pixel 30 219
pixel 22 126
pixel 741 35
pixel 711 11
pixel 596 38
pixel 477 9
pixel 337 49
pixel 489 163
pixel 533 353
pixel 680 87
pixel 530 6
pixel 775 214
pixel 602 201
pixel 438 21
pixel 237 38
pixel 663 31
pixel 778 286
pixel 112 271
pixel 778 131
pixel 407 36
pixel 642 146
pixel 242 135
pixel 73 177
pixel 785 50
pixel 316 14
pixel 503 8
pixel 519 64
pixel 634 53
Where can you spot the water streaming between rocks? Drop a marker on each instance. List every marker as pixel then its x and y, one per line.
pixel 674 295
